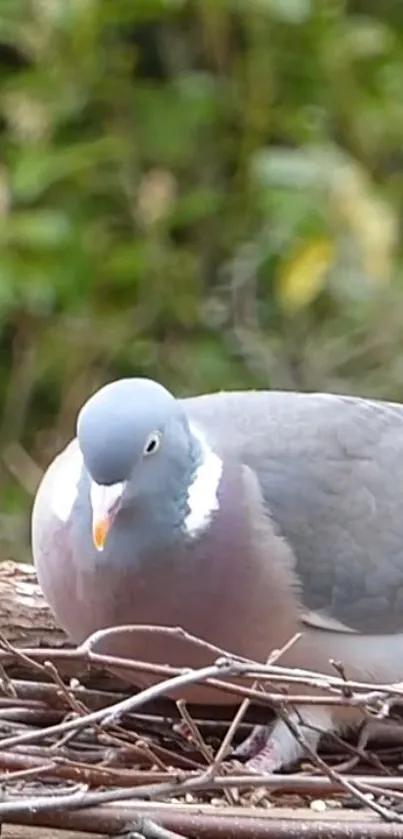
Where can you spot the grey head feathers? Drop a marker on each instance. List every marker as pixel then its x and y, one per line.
pixel 144 458
pixel 123 422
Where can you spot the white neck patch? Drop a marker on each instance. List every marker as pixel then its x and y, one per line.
pixel 65 484
pixel 203 492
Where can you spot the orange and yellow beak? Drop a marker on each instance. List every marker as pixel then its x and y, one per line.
pixel 105 502
pixel 100 530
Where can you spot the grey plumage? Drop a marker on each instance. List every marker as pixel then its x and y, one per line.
pixel 304 530
pixel 330 471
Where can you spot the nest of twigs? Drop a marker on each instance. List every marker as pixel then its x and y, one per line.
pixel 81 750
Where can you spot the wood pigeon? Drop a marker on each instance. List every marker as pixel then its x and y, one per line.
pixel 243 517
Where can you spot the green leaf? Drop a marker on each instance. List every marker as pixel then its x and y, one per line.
pixel 36 229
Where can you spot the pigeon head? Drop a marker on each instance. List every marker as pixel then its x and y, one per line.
pixel 139 452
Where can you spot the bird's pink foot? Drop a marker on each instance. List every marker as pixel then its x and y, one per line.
pixel 269 749
pixel 254 743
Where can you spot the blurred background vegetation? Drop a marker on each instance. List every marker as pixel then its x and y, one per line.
pixel 209 193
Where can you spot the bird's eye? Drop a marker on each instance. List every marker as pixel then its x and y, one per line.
pixel 153 443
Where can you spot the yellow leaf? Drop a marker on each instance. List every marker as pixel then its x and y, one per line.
pixel 303 275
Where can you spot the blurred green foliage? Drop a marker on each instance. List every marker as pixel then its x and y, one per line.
pixel 208 193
